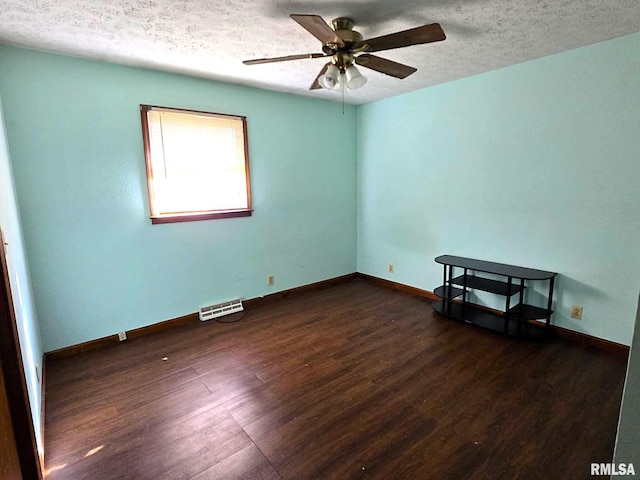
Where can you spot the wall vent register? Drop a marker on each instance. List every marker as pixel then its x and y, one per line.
pixel 220 309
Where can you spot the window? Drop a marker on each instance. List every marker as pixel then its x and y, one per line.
pixel 197 164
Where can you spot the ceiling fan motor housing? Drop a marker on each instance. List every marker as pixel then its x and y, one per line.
pixel 343 57
pixel 343 27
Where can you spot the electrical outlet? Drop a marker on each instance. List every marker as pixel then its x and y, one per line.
pixel 576 312
pixel 270 280
pixel 391 268
pixel 122 336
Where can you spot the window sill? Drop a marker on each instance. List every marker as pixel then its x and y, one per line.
pixel 195 217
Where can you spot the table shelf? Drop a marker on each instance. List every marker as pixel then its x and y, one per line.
pixel 448 292
pixel 481 317
pixel 518 317
pixel 487 285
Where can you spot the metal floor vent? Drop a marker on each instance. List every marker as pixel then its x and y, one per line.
pixel 221 309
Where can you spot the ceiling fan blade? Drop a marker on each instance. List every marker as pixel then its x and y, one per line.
pixel 316 26
pixel 414 36
pixel 385 66
pixel 283 59
pixel 315 85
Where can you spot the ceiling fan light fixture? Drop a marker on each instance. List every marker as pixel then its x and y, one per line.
pixel 354 78
pixel 346 46
pixel 331 78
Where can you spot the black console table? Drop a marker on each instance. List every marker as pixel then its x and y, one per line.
pixel 515 320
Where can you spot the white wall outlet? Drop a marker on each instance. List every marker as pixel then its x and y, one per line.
pixel 270 279
pixel 391 268
pixel 122 336
pixel 576 312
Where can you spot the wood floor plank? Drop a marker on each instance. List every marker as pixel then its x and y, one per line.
pixel 346 382
pixel 247 464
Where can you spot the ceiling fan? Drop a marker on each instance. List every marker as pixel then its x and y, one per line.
pixel 346 47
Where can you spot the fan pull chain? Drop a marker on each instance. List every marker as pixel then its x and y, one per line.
pixel 342 84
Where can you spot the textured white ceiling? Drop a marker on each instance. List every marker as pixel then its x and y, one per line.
pixel 210 38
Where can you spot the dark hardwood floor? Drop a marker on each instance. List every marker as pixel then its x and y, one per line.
pixel 349 381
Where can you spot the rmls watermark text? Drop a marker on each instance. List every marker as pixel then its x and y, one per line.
pixel 609 469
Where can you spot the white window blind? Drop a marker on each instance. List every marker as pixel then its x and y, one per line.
pixel 196 162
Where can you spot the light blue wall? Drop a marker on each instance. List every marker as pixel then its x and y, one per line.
pixel 98 265
pixel 22 295
pixel 537 165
